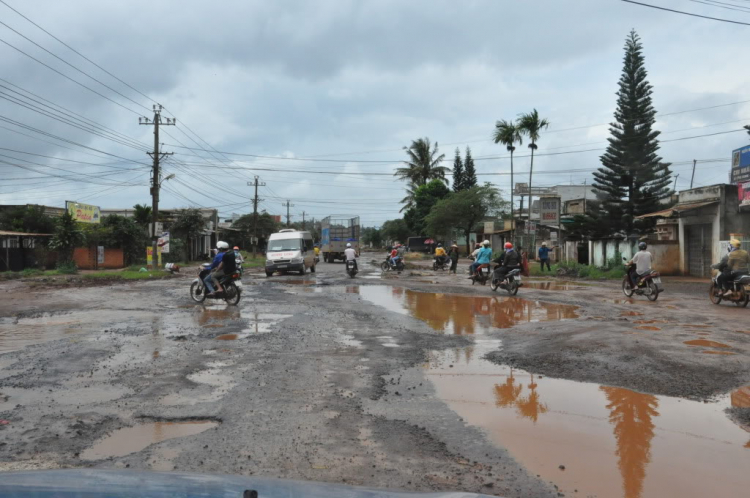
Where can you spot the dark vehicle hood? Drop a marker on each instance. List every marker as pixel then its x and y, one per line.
pixel 93 483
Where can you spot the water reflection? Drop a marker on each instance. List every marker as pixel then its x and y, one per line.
pixel 465 315
pixel 631 413
pixel 508 394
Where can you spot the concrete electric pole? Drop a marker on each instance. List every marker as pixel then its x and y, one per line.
pixel 256 184
pixel 156 177
pixel 303 220
pixel 288 205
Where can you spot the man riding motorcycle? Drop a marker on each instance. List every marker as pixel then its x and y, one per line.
pixel 440 254
pixel 351 255
pixel 223 264
pixel 507 261
pixel 483 257
pixel 735 264
pixel 642 262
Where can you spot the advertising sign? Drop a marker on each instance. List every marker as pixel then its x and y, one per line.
pixel 530 228
pixel 149 253
pixel 100 255
pixel 740 165
pixel 83 212
pixel 163 243
pixel 489 227
pixel 743 189
pixel 550 210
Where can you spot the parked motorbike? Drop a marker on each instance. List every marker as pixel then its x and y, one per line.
pixel 511 282
pixel 740 291
pixel 388 266
pixel 482 275
pixel 648 285
pixel 441 263
pixel 351 268
pixel 231 283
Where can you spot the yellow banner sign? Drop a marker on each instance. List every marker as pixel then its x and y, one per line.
pixel 150 256
pixel 83 212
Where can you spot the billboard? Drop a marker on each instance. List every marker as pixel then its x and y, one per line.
pixel 83 213
pixel 743 190
pixel 163 242
pixel 740 165
pixel 549 213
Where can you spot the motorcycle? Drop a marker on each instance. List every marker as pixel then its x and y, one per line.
pixel 443 263
pixel 351 268
pixel 649 285
pixel 740 291
pixel 482 275
pixel 511 282
pixel 231 283
pixel 388 266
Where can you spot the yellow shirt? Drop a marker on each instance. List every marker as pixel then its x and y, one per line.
pixel 317 251
pixel 440 251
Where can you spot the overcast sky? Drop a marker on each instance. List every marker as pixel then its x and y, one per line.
pixel 352 81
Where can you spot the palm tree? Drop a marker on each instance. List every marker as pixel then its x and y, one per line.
pixel 531 124
pixel 423 164
pixel 508 133
pixel 408 201
pixel 142 214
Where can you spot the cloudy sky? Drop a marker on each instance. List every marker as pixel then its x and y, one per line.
pixel 346 83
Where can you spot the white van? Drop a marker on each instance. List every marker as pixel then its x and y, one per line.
pixel 290 250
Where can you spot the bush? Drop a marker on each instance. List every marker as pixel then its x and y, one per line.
pixel 31 272
pixel 67 268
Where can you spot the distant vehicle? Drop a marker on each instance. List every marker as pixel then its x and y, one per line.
pixel 335 234
pixel 290 250
pixel 419 244
pixel 232 287
pixel 351 268
pixel 649 285
pixel 740 291
pixel 387 265
pixel 511 282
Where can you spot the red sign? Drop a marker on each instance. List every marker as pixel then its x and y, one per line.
pixel 743 189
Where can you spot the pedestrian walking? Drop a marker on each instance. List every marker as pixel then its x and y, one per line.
pixel 453 254
pixel 544 256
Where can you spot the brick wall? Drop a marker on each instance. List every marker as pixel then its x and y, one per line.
pixel 113 258
pixel 85 258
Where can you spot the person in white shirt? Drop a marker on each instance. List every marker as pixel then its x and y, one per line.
pixel 351 255
pixel 642 262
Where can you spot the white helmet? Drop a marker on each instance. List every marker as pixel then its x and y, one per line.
pixel 486 243
pixel 348 244
pixel 222 245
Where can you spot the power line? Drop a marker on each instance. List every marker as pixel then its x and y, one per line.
pixel 723 5
pixel 686 13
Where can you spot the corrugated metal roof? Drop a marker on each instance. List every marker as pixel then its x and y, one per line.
pixel 679 208
pixel 24 234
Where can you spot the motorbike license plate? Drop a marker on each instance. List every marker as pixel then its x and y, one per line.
pixel 486 271
pixel 238 283
pixel 281 266
pixel 657 280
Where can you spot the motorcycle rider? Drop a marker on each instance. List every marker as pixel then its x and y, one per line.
pixel 453 254
pixel 507 261
pixel 642 262
pixel 238 255
pixel 482 258
pixel 350 255
pixel 223 264
pixel 440 254
pixel 735 264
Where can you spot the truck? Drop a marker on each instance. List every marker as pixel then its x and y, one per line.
pixel 335 234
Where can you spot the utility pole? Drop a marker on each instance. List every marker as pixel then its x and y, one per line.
pixel 255 214
pixel 693 177
pixel 156 177
pixel 288 205
pixel 303 220
pixel 674 187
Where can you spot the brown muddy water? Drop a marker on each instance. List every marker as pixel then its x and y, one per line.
pixel 612 442
pixel 555 286
pixel 132 439
pixel 707 343
pixel 461 314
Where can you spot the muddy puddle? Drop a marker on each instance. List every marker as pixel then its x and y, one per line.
pixel 132 439
pixel 612 442
pixel 554 286
pixel 707 343
pixel 464 314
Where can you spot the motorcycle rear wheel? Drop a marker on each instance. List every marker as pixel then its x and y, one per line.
pixel 742 303
pixel 653 294
pixel 712 294
pixel 626 289
pixel 231 293
pixel 197 292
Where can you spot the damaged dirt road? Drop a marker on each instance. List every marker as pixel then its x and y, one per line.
pixel 416 381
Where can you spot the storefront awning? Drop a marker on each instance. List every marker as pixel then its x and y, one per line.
pixel 23 234
pixel 679 208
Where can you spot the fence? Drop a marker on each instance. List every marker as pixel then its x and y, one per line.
pixel 665 253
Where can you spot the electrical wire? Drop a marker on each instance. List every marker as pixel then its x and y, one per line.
pixel 685 13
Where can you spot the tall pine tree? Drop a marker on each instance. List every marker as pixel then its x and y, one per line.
pixel 470 174
pixel 633 179
pixel 458 172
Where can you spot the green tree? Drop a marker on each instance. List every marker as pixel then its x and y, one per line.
pixel 532 125
pixel 470 173
pixel 189 225
pixel 423 163
pixel 633 179
pixel 29 219
pixel 458 172
pixel 408 200
pixel 124 233
pixel 464 210
pixel 425 197
pixel 372 235
pixel 508 133
pixel 395 230
pixel 67 236
pixel 142 215
pixel 266 226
